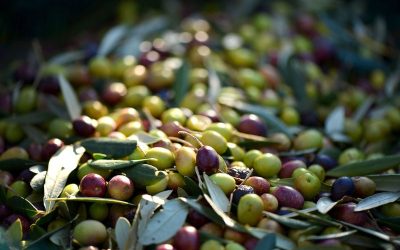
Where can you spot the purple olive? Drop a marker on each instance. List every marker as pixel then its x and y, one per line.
pixel 288 197
pixel 252 124
pixel 343 186
pixel 207 160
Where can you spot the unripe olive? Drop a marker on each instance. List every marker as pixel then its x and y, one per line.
pixel 290 116
pixel 26 100
pixel 14 152
pixel 13 133
pixel 159 186
pixel 308 139
pixel 214 140
pixel 94 109
pixel 135 75
pixel 185 161
pixel 230 116
pixel 18 188
pixel 100 67
pixel 85 169
pixel 131 128
pixel 198 122
pixel 224 181
pixel 350 155
pixel 90 232
pixel 105 125
pixel 60 128
pixel 135 96
pixel 173 114
pixel 154 104
pixel 211 245
pixel 225 129
pixel 250 156
pixel 250 209
pixel 236 151
pixel 164 157
pixel 69 190
pixel 267 165
pixel 98 211
pixel 175 180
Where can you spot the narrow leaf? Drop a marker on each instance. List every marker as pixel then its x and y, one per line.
pixel 377 200
pixel 282 242
pixel 271 120
pixel 181 84
pixel 216 194
pixel 70 98
pixel 55 106
pixel 229 222
pixel 331 236
pixel 365 167
pixel 163 225
pixel 67 57
pixel 146 138
pixel 214 84
pixel 47 218
pixel 92 199
pixel 37 182
pixel 30 118
pixel 386 182
pixel 334 123
pixel 16 164
pixel 111 147
pixel 22 206
pixel 61 164
pixel 392 82
pixel 362 110
pixel 122 232
pixel 204 210
pixel 37 169
pixel 268 242
pixel 325 204
pixel 371 232
pixel 111 39
pixel 115 164
pixel 143 175
pixel 14 233
pixel 37 135
pixel 191 187
pixel 289 222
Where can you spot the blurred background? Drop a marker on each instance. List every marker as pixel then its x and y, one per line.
pixel 65 23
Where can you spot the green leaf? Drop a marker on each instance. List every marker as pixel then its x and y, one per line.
pixel 164 224
pixel 331 236
pixel 204 210
pixel 47 218
pixel 266 243
pixel 35 134
pixel 290 182
pixel 92 199
pixel 368 231
pixel 325 204
pixel 22 206
pixel 217 195
pixel 320 220
pixel 282 242
pixel 271 120
pixel 365 167
pixel 37 182
pixel 386 182
pixel 289 222
pixel 334 123
pixel 181 84
pixel 14 233
pixel 122 228
pixel 112 147
pixel 214 84
pixel 229 222
pixel 298 152
pixel 377 200
pixel 61 164
pixel 116 164
pixel 36 232
pixel 146 138
pixel 71 101
pixel 191 187
pixel 143 174
pixel 56 107
pixel 30 118
pixel 392 222
pixel 111 39
pixel 362 110
pixel 16 164
pixel 67 57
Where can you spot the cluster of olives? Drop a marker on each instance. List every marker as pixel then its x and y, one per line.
pixel 123 98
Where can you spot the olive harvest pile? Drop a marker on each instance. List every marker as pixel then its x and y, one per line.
pixel 204 134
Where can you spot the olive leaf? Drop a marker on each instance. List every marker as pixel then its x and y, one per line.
pixel 70 98
pixel 116 164
pixel 146 138
pixel 366 167
pixel 30 118
pixel 334 123
pixel 22 206
pixel 67 57
pixel 143 174
pixel 362 110
pixel 331 236
pixel 92 199
pixel 36 232
pixel 377 200
pixel 37 182
pixel 325 204
pixel 386 182
pixel 371 232
pixel 164 224
pixel 181 84
pixel 216 194
pixel 111 39
pixel 61 164
pixel 14 234
pixel 289 222
pixel 35 134
pixel 267 242
pixel 16 164
pixel 214 84
pixel 204 210
pixel 191 187
pixel 109 146
pixel 122 228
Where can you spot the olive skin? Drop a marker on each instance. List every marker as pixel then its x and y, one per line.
pixel 341 187
pixel 93 185
pixel 187 238
pixel 288 197
pixel 250 209
pixel 120 187
pixel 90 232
pixel 207 160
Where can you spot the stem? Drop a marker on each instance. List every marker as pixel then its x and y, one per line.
pixel 182 132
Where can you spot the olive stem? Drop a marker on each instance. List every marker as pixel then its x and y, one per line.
pixel 186 143
pixel 194 137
